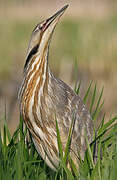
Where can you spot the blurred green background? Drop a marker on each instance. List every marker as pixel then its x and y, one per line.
pixel 86 34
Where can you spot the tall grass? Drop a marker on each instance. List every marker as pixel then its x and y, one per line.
pixel 20 161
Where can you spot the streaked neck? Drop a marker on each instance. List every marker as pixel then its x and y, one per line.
pixel 36 73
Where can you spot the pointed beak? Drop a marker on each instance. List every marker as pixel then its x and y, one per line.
pixel 54 18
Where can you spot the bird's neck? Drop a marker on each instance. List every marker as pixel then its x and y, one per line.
pixel 38 70
pixel 36 77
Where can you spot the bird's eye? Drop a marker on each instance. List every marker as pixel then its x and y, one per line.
pixel 40 26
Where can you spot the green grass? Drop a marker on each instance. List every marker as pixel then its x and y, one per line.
pixel 19 159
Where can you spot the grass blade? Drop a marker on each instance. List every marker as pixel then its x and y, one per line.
pixel 5 136
pixel 59 140
pixel 89 151
pixel 67 148
pixel 98 104
pixel 107 125
pixel 95 115
pixel 87 93
pixel 93 98
pixel 77 87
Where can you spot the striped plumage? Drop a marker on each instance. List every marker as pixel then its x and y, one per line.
pixel 42 97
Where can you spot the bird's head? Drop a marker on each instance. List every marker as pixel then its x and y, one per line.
pixel 42 33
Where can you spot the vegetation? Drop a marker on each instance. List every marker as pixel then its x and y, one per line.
pixel 19 159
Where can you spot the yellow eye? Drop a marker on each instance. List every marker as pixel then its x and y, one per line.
pixel 40 26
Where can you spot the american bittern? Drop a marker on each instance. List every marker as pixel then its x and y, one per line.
pixel 43 97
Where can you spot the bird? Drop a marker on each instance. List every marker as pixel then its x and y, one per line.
pixel 45 99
